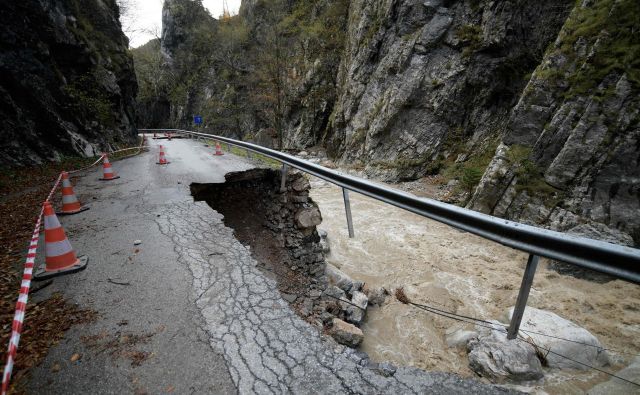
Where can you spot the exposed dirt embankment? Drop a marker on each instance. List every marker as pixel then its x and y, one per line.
pixel 278 226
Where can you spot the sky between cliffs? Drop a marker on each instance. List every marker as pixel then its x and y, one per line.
pixel 143 21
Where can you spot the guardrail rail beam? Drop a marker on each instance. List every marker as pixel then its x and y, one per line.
pixel 615 260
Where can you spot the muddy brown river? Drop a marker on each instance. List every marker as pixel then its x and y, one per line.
pixel 457 271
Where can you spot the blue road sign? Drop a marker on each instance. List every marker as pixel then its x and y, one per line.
pixel 197 119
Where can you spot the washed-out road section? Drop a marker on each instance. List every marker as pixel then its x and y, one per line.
pixel 187 310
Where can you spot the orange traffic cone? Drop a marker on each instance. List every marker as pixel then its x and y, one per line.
pixel 107 171
pixel 162 160
pixel 218 149
pixel 59 255
pixel 70 203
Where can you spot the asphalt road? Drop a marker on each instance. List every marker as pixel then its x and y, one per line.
pixel 187 311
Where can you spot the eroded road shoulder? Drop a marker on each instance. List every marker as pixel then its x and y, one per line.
pixel 209 320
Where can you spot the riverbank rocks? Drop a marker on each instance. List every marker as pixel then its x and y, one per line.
pixel 492 356
pixel 300 184
pixel 338 278
pixel 377 296
pixel 324 241
pixel 349 299
pixel 345 333
pixel 546 322
pixel 356 311
pixel 308 217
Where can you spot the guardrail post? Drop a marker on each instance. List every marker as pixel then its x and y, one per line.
pixel 347 209
pixel 248 153
pixel 523 295
pixel 283 181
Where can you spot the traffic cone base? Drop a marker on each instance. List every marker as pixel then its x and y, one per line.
pixel 163 163
pixel 81 209
pixel 109 179
pixel 60 258
pixel 80 264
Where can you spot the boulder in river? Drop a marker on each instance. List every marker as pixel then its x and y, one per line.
pixel 541 321
pixel 460 337
pixel 492 356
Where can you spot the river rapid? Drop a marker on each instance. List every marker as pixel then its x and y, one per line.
pixel 456 271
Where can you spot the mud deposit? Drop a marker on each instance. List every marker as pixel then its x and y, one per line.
pixel 456 271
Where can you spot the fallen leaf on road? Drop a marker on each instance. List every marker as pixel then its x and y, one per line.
pixel 55 368
pixel 75 357
pixel 171 388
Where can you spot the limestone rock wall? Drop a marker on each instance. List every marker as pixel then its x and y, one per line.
pixel 68 85
pixel 420 80
pixel 570 157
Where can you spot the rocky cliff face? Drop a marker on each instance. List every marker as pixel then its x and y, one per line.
pixel 531 107
pixel 423 81
pixel 176 71
pixel 570 156
pixel 68 85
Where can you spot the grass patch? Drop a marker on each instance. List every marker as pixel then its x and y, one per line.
pixel 259 157
pixel 614 25
pixel 530 176
pixel 471 38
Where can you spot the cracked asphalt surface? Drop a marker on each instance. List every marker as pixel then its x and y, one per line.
pixel 188 311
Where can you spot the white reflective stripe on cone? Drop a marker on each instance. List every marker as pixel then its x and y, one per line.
pixel 69 199
pixel 58 248
pixel 66 183
pixel 108 171
pixel 51 222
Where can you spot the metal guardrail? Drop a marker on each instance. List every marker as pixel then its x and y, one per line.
pixel 618 261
